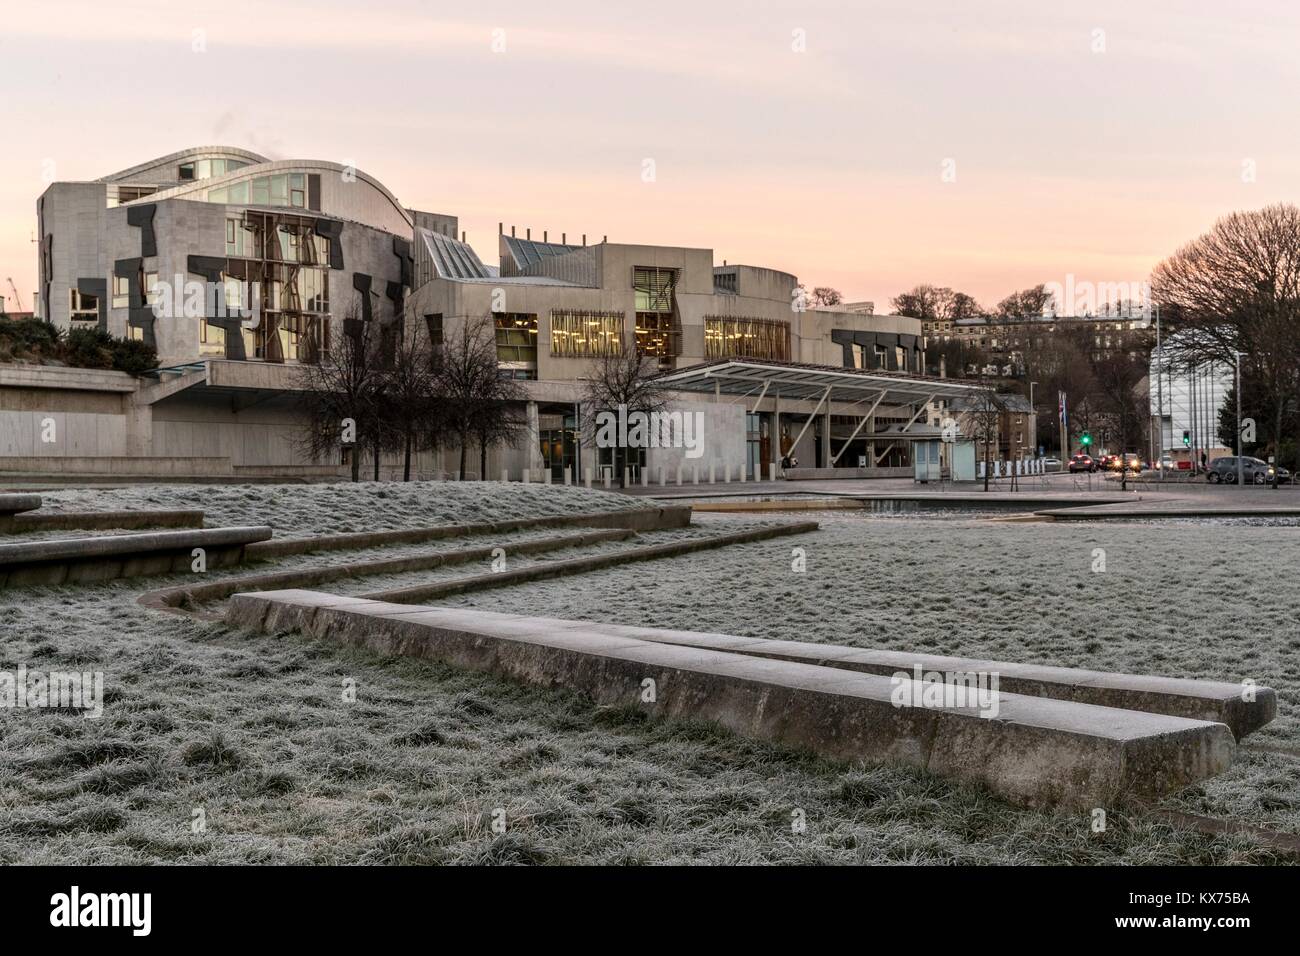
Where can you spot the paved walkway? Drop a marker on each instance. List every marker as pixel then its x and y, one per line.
pixel 1101 497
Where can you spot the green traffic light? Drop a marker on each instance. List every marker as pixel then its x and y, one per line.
pixel 1085 439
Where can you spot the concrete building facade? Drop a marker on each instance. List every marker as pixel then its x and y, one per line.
pixel 240 269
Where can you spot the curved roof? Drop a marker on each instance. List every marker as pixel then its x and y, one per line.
pixel 187 189
pixel 193 152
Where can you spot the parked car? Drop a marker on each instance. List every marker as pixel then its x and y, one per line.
pixel 1253 471
pixel 1082 462
pixel 1051 464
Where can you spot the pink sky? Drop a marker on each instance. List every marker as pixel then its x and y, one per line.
pixel 1087 138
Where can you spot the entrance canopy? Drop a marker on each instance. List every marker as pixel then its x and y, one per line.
pixel 795 381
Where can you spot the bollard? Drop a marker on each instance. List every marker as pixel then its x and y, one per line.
pixel 695 474
pixel 566 476
pixel 505 474
pixel 711 468
pixel 679 475
pixel 524 479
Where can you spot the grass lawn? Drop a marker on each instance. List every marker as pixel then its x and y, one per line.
pixel 255 733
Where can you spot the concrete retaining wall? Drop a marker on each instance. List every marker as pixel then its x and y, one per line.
pixel 1037 752
pixel 66 560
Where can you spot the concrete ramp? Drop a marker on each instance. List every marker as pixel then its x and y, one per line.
pixel 1035 751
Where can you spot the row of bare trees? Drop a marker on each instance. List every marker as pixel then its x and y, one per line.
pixel 1234 294
pixel 408 393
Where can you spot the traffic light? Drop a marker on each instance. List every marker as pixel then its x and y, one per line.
pixel 1085 439
pixel 1187 438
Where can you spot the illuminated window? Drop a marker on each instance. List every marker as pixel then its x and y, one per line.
pixel 121 292
pixel 83 307
pixel 516 335
pixel 584 334
pixel 743 337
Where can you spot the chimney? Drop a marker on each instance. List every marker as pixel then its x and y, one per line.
pixel 501 229
pixel 584 238
pixel 528 233
pixel 512 232
pixel 544 239
pixel 564 238
pixel 462 235
pixel 604 238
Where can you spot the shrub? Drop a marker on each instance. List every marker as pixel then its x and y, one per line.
pixel 88 348
pixel 133 356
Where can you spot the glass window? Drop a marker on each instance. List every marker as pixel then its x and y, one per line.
pixel 150 287
pixel 203 169
pixel 653 288
pixel 262 191
pixel 218 195
pixel 516 335
pixel 237 192
pixel 745 337
pixel 279 190
pixel 186 171
pixel 121 292
pixel 83 307
pixel 434 324
pixel 581 334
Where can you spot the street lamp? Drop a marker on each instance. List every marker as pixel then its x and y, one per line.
pixel 1237 388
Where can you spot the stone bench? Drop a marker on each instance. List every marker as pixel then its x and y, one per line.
pixel 1036 751
pixel 66 560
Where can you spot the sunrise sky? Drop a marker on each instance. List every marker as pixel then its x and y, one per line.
pixel 1086 138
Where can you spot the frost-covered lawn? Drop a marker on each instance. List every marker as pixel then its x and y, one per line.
pixel 311 509
pixel 254 731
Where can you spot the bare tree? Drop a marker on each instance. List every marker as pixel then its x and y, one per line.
pixel 983 418
pixel 469 379
pixel 414 417
pixel 622 381
pixel 498 420
pixel 1236 289
pixel 1034 301
pixel 1124 403
pixel 936 304
pixel 340 392
pixel 825 295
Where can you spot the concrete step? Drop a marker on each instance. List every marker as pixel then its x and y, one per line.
pixel 1244 708
pixel 1033 751
pixel 101 558
pixel 12 504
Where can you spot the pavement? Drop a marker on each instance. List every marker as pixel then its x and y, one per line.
pixel 1083 495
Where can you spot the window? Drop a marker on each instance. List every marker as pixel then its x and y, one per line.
pixel 516 335
pixel 186 171
pixel 284 189
pixel 434 324
pixel 582 334
pixel 882 357
pixel 83 307
pixel 121 292
pixel 727 336
pixel 150 288
pixel 653 288
pixel 658 332
pixel 212 339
